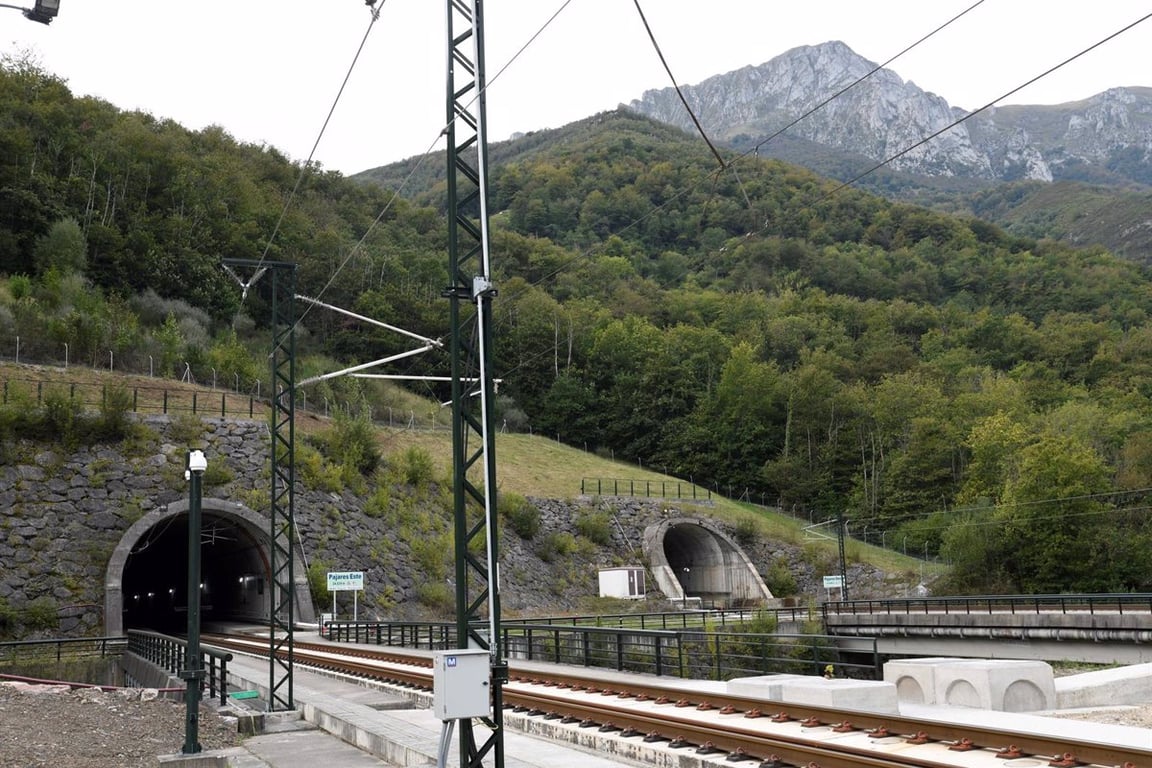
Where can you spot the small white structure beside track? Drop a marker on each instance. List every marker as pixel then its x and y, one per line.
pixel 1005 685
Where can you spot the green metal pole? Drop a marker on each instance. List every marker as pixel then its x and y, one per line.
pixel 193 674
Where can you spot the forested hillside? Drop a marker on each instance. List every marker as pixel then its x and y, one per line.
pixel 950 388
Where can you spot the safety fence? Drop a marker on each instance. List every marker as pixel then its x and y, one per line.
pixel 1121 603
pixel 660 489
pixel 16 653
pixel 685 653
pixel 138 399
pixel 679 619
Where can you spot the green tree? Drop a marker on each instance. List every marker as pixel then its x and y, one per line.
pixel 171 341
pixel 1052 515
pixel 64 248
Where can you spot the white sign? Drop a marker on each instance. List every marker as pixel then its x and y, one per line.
pixel 343 581
pixel 833 582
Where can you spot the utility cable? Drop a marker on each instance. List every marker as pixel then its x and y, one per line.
pixel 424 156
pixel 859 80
pixel 568 263
pixel 676 86
pixel 975 112
pixel 374 12
pixel 686 190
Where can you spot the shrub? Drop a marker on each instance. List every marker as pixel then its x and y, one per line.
pixel 556 545
pixel 747 531
pixel 42 614
pixel 417 467
pixel 431 555
pixel 186 429
pixel 115 406
pixel 379 503
pixel 59 416
pixel 596 527
pixel 780 580
pixel 314 472
pixel 521 515
pixel 436 594
pixel 352 443
pixel 318 582
pixel 218 473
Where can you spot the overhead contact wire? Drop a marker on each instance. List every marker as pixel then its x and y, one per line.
pixel 375 14
pixel 676 86
pixel 860 79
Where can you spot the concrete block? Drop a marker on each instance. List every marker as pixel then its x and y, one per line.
pixel 762 687
pixel 860 695
pixel 1105 687
pixel 999 684
pixel 915 679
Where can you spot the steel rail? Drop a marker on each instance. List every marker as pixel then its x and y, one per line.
pixel 979 737
pixel 707 737
pixel 414 671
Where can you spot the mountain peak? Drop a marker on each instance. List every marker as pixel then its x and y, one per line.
pixel 873 115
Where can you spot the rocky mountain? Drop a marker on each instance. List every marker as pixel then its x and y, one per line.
pixel 1104 139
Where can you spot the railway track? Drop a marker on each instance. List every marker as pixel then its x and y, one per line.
pixel 776 735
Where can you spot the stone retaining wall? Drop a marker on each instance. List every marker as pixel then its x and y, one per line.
pixel 62 515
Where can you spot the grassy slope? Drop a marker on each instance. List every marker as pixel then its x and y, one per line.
pixel 537 466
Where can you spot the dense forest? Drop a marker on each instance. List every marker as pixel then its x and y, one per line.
pixel 951 389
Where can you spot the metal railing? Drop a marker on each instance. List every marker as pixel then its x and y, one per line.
pixel 1131 603
pixel 686 653
pixel 168 653
pixel 143 399
pixel 21 651
pixel 661 489
pixel 421 635
pixel 676 619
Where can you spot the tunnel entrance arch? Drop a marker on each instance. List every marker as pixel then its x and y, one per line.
pixel 146 581
pixel 692 559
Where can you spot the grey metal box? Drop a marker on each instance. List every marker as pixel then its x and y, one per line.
pixel 460 683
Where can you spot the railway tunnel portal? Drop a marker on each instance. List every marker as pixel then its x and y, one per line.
pixel 693 560
pixel 146 581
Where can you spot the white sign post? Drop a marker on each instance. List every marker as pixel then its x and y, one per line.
pixel 344 581
pixel 834 582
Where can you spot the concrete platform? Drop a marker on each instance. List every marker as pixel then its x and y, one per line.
pixel 374 728
pixel 1105 688
pixel 367 727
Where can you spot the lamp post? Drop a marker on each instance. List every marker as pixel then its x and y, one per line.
pixel 193 673
pixel 44 10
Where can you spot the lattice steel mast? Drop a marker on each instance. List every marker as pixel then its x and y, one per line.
pixel 469 267
pixel 282 512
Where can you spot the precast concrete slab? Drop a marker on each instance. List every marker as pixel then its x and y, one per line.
pixel 761 687
pixel 860 695
pixel 997 684
pixel 915 679
pixel 1105 687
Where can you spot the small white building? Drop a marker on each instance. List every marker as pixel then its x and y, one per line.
pixel 626 582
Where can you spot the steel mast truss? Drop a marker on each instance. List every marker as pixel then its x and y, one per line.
pixel 470 295
pixel 282 512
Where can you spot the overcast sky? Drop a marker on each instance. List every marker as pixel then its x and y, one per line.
pixel 269 71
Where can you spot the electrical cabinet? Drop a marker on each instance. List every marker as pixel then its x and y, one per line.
pixel 461 683
pixel 627 582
